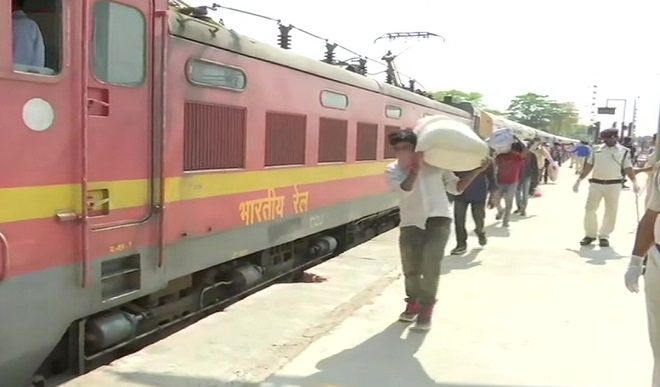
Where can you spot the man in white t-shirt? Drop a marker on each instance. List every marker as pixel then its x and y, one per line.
pixel 426 216
pixel 647 243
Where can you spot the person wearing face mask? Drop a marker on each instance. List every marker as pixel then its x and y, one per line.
pixel 426 216
pixel 605 164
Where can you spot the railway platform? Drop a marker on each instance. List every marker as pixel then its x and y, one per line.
pixel 530 309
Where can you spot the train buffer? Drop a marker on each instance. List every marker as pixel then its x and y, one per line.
pixel 530 309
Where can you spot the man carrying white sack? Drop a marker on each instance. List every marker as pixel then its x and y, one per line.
pixel 606 161
pixel 647 243
pixel 426 217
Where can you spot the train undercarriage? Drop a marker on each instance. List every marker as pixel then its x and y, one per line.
pixel 103 337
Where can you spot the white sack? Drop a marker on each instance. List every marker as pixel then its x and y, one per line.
pixel 449 144
pixel 553 171
pixel 501 140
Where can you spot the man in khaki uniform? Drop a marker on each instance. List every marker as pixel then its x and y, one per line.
pixel 607 161
pixel 647 243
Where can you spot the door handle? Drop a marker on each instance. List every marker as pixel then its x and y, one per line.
pixel 91 101
pixel 67 216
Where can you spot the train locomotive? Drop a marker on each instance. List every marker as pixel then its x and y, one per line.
pixel 159 164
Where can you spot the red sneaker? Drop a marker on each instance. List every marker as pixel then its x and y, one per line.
pixel 424 319
pixel 412 310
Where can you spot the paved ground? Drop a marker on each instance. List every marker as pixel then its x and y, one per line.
pixel 531 309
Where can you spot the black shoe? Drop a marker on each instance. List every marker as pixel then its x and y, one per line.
pixel 523 213
pixel 517 212
pixel 499 216
pixel 459 250
pixel 586 241
pixel 482 238
pixel 603 242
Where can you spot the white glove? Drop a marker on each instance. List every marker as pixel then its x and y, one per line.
pixel 634 272
pixel 636 189
pixel 576 186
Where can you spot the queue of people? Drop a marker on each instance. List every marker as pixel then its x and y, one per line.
pixel 426 210
pixel 425 221
pixel 426 213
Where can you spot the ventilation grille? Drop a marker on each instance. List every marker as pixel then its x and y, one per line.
pixel 332 140
pixel 214 137
pixel 120 277
pixel 389 151
pixel 367 141
pixel 285 139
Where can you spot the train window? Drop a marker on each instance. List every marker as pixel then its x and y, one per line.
pixel 334 100
pixel 206 73
pixel 285 139
pixel 332 140
pixel 37 36
pixel 367 141
pixel 213 136
pixel 392 111
pixel 389 151
pixel 120 50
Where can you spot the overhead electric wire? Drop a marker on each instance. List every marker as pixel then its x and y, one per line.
pixel 216 6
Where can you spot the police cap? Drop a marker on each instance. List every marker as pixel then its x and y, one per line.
pixel 609 133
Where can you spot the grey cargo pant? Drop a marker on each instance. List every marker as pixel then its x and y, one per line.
pixel 421 254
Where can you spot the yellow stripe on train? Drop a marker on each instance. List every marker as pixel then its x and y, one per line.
pixel 38 202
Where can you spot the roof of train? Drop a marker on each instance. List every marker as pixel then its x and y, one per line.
pixel 215 35
pixel 528 131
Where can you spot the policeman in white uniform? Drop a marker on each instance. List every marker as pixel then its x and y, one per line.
pixel 647 243
pixel 607 161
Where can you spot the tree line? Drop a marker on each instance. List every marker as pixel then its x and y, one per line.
pixel 531 109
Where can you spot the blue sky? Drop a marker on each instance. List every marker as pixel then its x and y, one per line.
pixel 499 48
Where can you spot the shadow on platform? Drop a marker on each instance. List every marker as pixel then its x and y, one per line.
pixel 147 379
pixel 384 360
pixel 496 230
pixel 597 255
pixel 461 262
pixel 517 218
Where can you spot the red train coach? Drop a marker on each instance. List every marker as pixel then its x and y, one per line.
pixel 158 164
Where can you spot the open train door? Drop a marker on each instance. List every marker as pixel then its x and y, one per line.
pixel 118 176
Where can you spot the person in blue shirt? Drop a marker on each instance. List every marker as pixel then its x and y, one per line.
pixel 582 151
pixel 28 44
pixel 474 197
